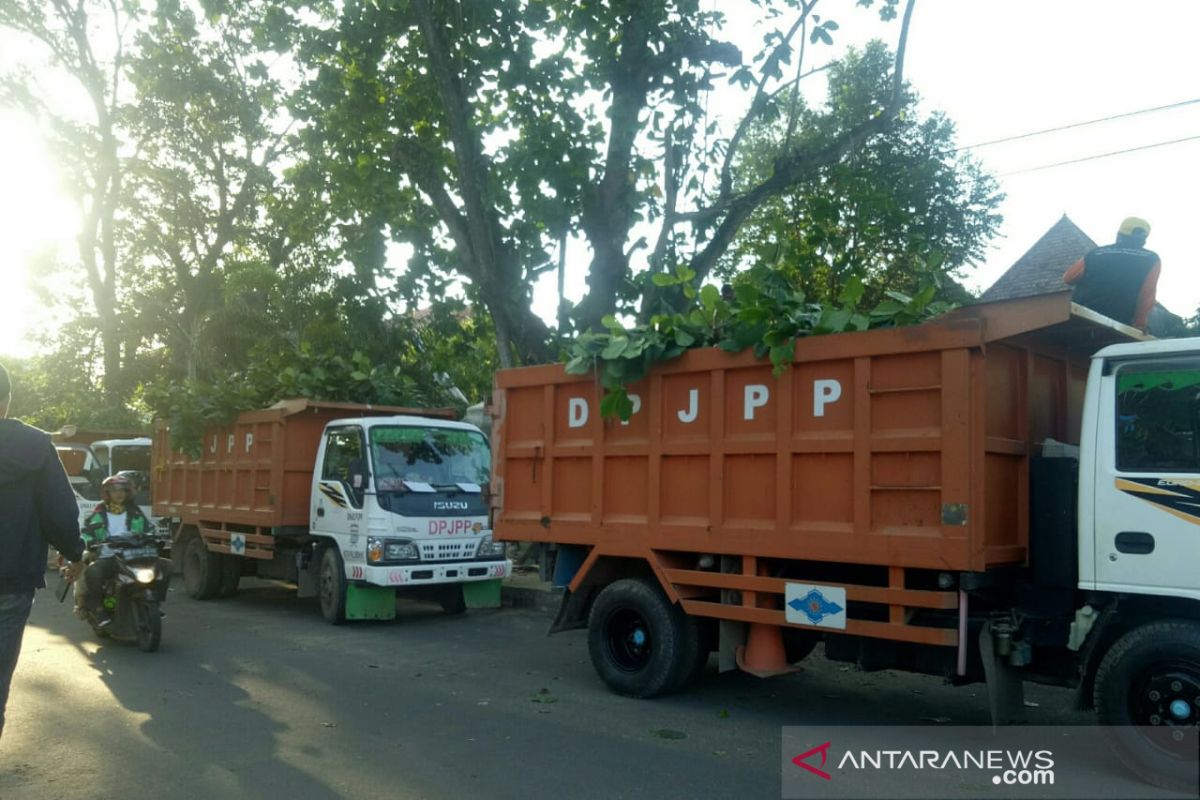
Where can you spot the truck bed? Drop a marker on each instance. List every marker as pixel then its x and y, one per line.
pixel 876 453
pixel 257 471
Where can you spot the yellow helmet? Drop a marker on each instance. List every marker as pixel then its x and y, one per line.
pixel 1135 226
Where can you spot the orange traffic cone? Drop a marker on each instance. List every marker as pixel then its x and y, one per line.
pixel 763 654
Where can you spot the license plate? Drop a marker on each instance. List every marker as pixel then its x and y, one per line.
pixel 128 553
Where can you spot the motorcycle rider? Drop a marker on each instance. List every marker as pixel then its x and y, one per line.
pixel 118 516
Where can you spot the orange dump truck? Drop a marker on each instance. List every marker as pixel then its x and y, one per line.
pixel 353 503
pixel 968 497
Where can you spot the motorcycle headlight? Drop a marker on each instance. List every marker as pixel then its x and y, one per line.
pixel 144 575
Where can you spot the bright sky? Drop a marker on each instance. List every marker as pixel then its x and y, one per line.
pixel 997 67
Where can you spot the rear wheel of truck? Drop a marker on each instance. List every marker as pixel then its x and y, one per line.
pixel 201 568
pixel 638 639
pixel 231 575
pixel 1151 679
pixel 332 586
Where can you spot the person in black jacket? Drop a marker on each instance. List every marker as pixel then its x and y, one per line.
pixel 1119 280
pixel 38 507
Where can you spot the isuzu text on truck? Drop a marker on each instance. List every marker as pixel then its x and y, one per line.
pixel 1010 492
pixel 352 503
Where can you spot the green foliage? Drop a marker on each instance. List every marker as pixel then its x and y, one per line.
pixel 191 406
pixel 57 389
pixel 902 210
pixel 763 311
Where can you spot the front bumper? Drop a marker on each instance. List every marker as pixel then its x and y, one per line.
pixel 430 573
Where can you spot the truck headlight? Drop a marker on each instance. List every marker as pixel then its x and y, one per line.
pixel 401 551
pixel 489 547
pixel 380 549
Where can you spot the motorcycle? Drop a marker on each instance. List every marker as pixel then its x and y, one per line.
pixel 134 597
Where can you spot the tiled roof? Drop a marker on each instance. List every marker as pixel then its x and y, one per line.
pixel 1040 270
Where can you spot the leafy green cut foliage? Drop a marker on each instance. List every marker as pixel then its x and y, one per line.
pixel 190 407
pixel 762 311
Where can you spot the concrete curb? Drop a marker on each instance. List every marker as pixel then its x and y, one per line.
pixel 536 598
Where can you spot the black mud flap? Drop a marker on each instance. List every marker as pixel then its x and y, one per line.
pixel 1005 686
pixel 572 614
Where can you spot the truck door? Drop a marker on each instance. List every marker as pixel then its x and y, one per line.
pixel 1147 515
pixel 341 483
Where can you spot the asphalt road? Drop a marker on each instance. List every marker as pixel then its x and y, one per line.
pixel 256 697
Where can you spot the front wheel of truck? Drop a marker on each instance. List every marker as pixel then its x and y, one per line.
pixel 451 599
pixel 637 639
pixel 1147 697
pixel 332 586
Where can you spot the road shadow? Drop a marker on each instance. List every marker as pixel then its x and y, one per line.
pixel 200 734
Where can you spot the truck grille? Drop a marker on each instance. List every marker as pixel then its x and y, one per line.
pixel 446 551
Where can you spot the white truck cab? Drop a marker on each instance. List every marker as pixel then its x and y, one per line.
pixel 402 499
pixel 1139 498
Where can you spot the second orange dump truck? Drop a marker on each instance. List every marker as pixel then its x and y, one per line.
pixel 1010 492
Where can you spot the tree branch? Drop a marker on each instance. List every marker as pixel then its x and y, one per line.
pixel 789 169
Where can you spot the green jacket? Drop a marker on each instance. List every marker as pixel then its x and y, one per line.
pixel 96 528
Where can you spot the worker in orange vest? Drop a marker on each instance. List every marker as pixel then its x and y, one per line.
pixel 1119 280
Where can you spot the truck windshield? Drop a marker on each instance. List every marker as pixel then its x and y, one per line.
pixel 440 457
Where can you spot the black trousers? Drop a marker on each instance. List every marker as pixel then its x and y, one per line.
pixel 99 573
pixel 14 612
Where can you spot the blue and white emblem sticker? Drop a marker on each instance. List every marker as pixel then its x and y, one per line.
pixel 817 606
pixel 237 544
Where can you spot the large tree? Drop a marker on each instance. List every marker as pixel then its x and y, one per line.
pixel 903 208
pixel 484 134
pixel 84 44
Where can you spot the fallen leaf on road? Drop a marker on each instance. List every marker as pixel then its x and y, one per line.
pixel 328 724
pixel 372 666
pixel 723 714
pixel 668 733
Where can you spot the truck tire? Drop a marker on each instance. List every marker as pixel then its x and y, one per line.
pixel 201 568
pixel 451 599
pixel 231 575
pixel 331 586
pixel 638 639
pixel 1150 678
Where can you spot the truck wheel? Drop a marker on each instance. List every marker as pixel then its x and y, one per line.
pixel 231 575
pixel 637 639
pixel 451 599
pixel 332 586
pixel 1151 679
pixel 201 568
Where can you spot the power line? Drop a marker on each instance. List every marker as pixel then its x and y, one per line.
pixel 1072 125
pixel 1100 155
